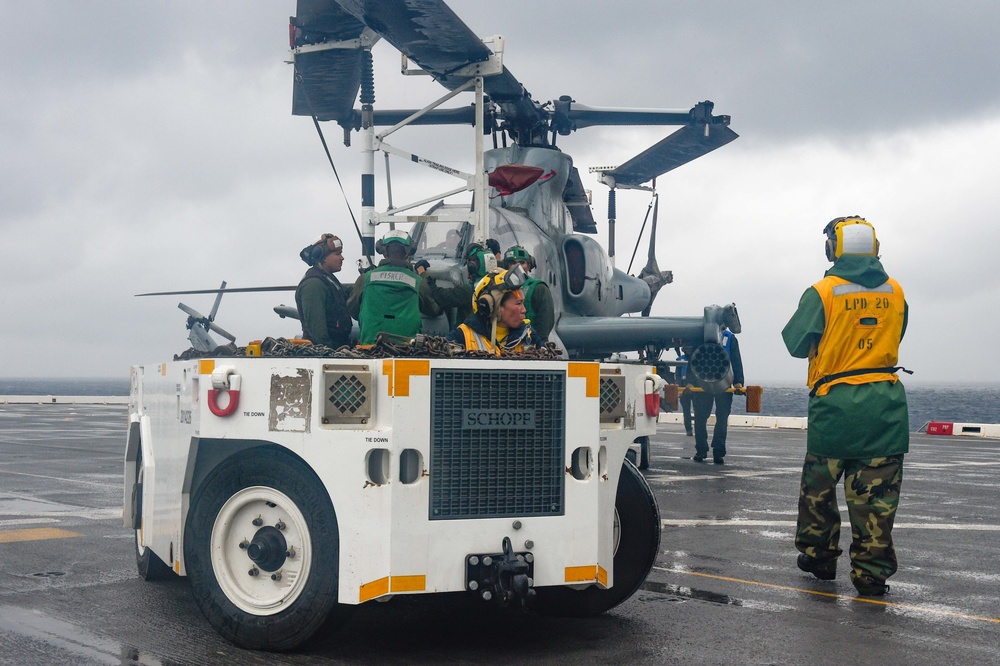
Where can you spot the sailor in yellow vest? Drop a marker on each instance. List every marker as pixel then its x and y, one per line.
pixel 497 323
pixel 849 325
pixel 391 297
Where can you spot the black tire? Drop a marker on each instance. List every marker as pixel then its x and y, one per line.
pixel 638 546
pixel 643 443
pixel 259 612
pixel 149 565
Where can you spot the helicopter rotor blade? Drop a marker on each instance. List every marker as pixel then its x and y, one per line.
pixel 430 34
pixel 686 144
pixel 218 300
pixel 237 290
pixel 326 81
pixel 591 116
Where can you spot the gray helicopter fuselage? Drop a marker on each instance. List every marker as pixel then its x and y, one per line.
pixel 575 266
pixel 589 294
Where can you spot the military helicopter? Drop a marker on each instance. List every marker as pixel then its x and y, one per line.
pixel 526 191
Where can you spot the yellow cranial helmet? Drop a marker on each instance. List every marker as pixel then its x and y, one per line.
pixel 490 290
pixel 850 235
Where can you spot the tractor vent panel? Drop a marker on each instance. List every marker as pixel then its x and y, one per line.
pixel 612 398
pixel 497 443
pixel 347 393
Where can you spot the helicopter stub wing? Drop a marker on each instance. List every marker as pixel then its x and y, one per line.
pixel 686 144
pixel 326 81
pixel 596 337
pixel 602 336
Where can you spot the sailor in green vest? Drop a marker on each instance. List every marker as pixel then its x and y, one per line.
pixel 537 297
pixel 456 300
pixel 391 297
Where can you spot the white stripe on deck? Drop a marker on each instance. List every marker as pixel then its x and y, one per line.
pixel 736 522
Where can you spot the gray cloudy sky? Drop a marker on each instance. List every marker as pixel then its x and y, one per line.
pixel 150 146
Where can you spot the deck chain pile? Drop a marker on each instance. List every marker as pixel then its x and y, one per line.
pixel 420 346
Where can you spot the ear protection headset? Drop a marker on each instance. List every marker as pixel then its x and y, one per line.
pixel 479 261
pixel 490 290
pixel 317 252
pixel 395 236
pixel 517 254
pixel 850 235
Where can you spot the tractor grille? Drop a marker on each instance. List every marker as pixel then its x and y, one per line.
pixel 497 443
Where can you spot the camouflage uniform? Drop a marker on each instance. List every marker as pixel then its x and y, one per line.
pixel 856 430
pixel 871 488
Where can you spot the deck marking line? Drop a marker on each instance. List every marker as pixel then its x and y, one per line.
pixel 20 522
pixel 59 478
pixel 726 522
pixel 35 534
pixel 833 595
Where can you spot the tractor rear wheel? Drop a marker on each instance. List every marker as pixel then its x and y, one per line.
pixel 637 543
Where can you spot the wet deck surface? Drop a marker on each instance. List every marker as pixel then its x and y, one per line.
pixel 725 589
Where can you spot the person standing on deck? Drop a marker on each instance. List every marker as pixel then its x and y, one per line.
pixel 849 325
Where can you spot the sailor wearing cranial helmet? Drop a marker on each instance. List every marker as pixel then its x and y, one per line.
pixel 392 297
pixel 497 324
pixel 320 297
pixel 849 325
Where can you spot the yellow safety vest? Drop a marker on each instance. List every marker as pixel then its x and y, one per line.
pixel 860 342
pixel 474 340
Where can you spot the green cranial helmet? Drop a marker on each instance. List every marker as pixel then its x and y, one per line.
pixel 395 236
pixel 516 255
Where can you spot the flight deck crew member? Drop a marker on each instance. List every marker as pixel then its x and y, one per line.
pixel 320 298
pixel 723 402
pixel 391 297
pixel 537 297
pixel 497 324
pixel 457 301
pixel 686 393
pixel 849 325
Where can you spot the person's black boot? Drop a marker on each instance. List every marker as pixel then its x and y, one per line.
pixel 869 587
pixel 818 568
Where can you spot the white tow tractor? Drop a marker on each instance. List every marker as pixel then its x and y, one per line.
pixel 288 489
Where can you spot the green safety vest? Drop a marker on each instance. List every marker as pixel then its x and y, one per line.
pixel 390 303
pixel 527 288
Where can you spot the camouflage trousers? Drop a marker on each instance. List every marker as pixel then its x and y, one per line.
pixel 871 489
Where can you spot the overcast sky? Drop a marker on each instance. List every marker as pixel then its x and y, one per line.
pixel 150 146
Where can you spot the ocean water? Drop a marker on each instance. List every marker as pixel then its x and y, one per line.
pixel 957 403
pixel 65 386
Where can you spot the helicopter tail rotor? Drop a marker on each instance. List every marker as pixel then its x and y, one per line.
pixel 199 325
